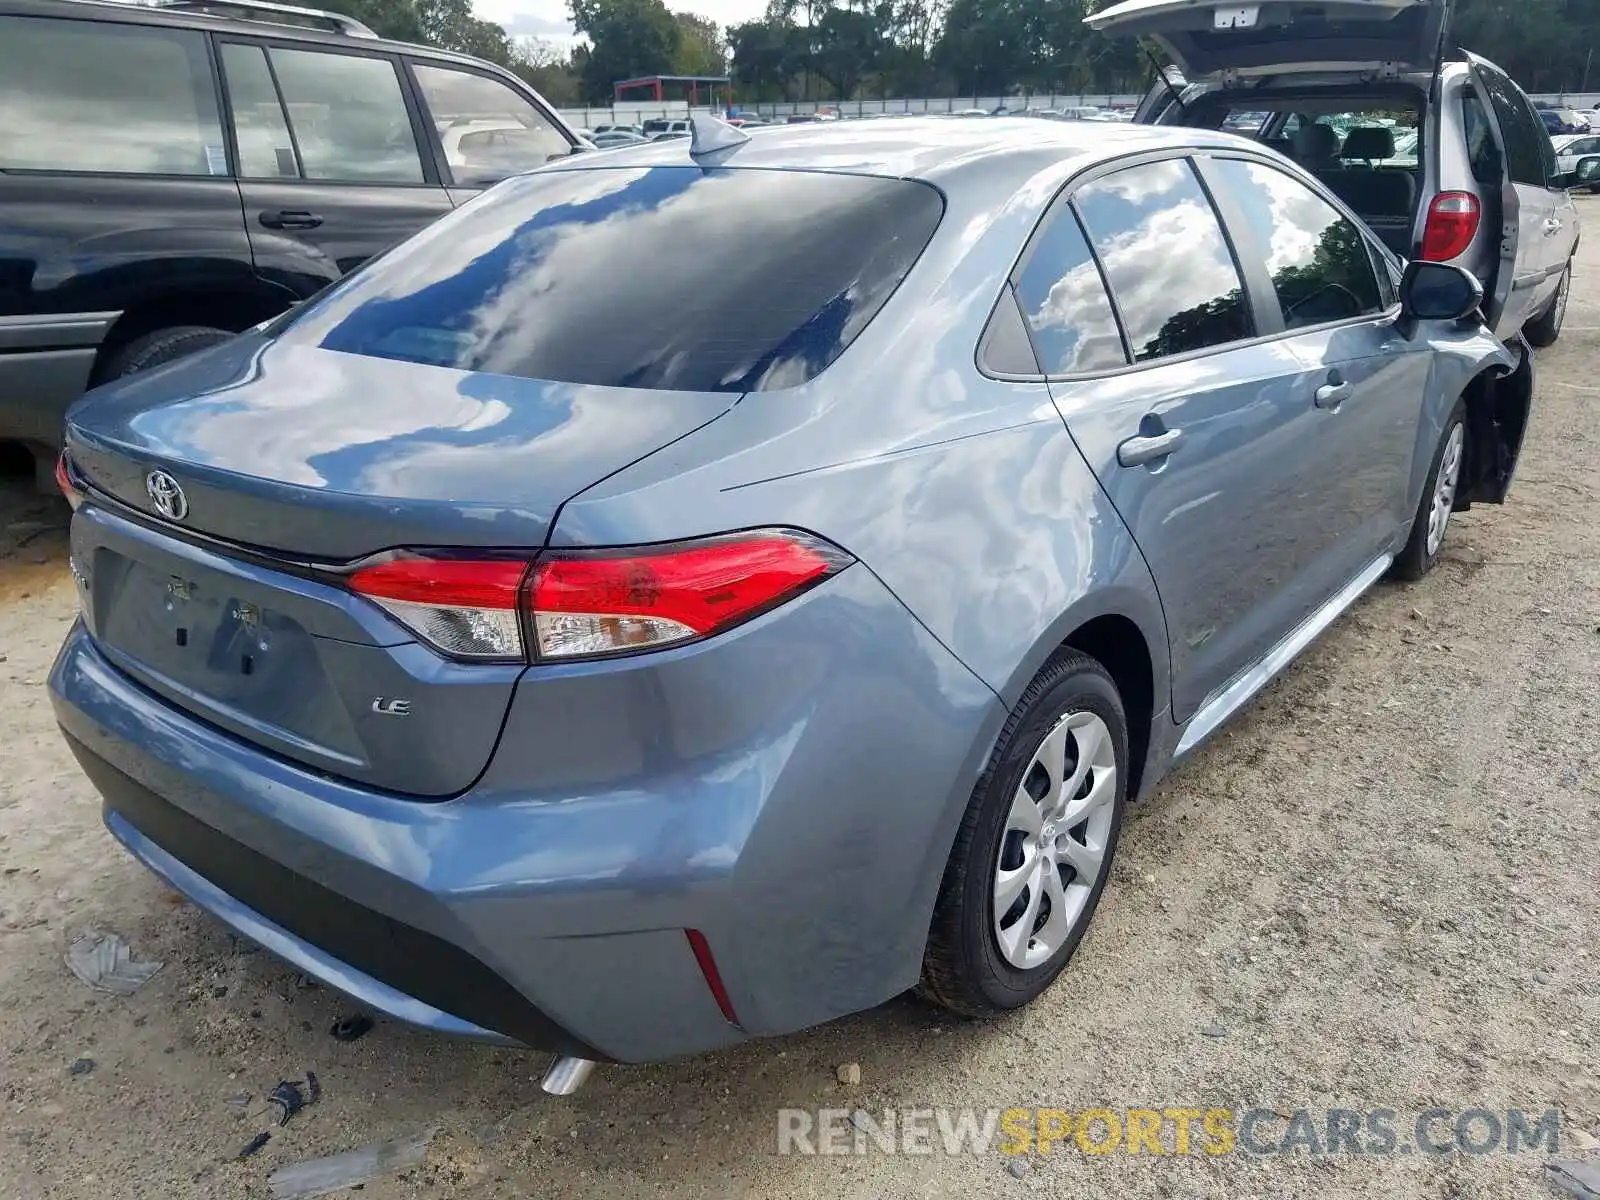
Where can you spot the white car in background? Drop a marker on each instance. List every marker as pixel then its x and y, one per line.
pixel 1570 147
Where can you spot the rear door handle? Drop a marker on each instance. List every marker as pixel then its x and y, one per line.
pixel 290 219
pixel 1144 448
pixel 1331 395
pixel 1551 226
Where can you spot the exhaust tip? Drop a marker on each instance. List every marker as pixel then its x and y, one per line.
pixel 567 1075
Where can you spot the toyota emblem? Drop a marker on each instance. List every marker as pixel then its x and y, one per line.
pixel 166 495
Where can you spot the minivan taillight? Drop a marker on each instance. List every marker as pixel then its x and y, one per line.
pixel 66 481
pixel 585 603
pixel 1452 222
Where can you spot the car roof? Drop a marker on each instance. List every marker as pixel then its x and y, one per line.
pixel 133 14
pixel 999 153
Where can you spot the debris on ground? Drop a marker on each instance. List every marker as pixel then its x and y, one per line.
pixel 849 1073
pixel 1575 1177
pixel 1017 1168
pixel 81 1066
pixel 105 962
pixel 255 1143
pixel 313 1087
pixel 320 1176
pixel 240 1103
pixel 348 1029
pixel 288 1099
pixel 1214 1030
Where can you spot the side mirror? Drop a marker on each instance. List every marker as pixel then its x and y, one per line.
pixel 1587 172
pixel 1431 291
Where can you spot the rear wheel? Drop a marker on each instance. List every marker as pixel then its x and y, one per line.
pixel 1544 329
pixel 1034 850
pixel 161 347
pixel 1438 500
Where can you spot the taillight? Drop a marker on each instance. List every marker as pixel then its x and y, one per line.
pixel 613 601
pixel 464 607
pixel 1452 222
pixel 65 481
pixel 584 603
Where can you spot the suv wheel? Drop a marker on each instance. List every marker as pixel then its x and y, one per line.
pixel 1544 329
pixel 1034 850
pixel 161 347
pixel 1438 500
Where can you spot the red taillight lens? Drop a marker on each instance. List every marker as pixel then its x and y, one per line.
pixel 465 607
pixel 611 601
pixel 64 481
pixel 1452 222
pixel 596 602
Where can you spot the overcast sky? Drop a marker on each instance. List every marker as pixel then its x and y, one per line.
pixel 549 19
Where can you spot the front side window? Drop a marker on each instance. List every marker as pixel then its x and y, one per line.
pixel 488 130
pixel 95 96
pixel 519 281
pixel 349 117
pixel 1065 301
pixel 1166 259
pixel 1320 264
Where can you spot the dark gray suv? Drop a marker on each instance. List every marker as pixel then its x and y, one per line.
pixel 170 177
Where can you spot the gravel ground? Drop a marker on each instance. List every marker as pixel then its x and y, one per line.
pixel 1377 889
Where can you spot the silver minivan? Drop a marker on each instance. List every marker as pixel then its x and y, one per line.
pixel 1445 160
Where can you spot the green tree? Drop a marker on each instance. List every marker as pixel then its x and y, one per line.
pixel 701 49
pixel 627 39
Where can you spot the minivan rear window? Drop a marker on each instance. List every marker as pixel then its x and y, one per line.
pixel 661 277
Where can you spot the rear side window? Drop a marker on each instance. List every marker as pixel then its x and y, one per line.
pixel 1320 265
pixel 82 96
pixel 1169 266
pixel 662 277
pixel 1520 130
pixel 1482 153
pixel 488 130
pixel 1065 301
pixel 349 117
pixel 266 151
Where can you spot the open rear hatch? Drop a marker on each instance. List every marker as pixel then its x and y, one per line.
pixel 1210 40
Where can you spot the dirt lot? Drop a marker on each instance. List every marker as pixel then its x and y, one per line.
pixel 1375 890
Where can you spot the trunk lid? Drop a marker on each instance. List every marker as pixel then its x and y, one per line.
pixel 1210 39
pixel 290 460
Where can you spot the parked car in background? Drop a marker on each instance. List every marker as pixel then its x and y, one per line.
pixel 1562 120
pixel 619 127
pixel 1571 147
pixel 1490 197
pixel 670 749
pixel 169 177
pixel 656 130
pixel 615 138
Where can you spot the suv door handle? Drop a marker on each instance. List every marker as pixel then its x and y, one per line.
pixel 290 219
pixel 1144 448
pixel 1331 395
pixel 1551 225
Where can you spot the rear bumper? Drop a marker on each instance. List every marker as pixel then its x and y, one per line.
pixel 45 364
pixel 548 905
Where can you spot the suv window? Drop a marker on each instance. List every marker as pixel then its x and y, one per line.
pixel 1520 130
pixel 1320 264
pixel 1065 302
pixel 349 117
pixel 488 130
pixel 518 282
pixel 1169 266
pixel 266 150
pixel 96 96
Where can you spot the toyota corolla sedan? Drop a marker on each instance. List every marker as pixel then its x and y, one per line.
pixel 692 593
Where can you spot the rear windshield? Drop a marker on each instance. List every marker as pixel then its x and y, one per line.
pixel 660 277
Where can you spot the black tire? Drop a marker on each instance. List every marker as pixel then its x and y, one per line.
pixel 1415 560
pixel 1544 329
pixel 161 347
pixel 964 968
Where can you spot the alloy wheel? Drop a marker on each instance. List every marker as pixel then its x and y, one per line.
pixel 1444 489
pixel 1054 844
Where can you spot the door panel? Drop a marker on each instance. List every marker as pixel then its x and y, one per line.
pixel 331 172
pixel 1230 521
